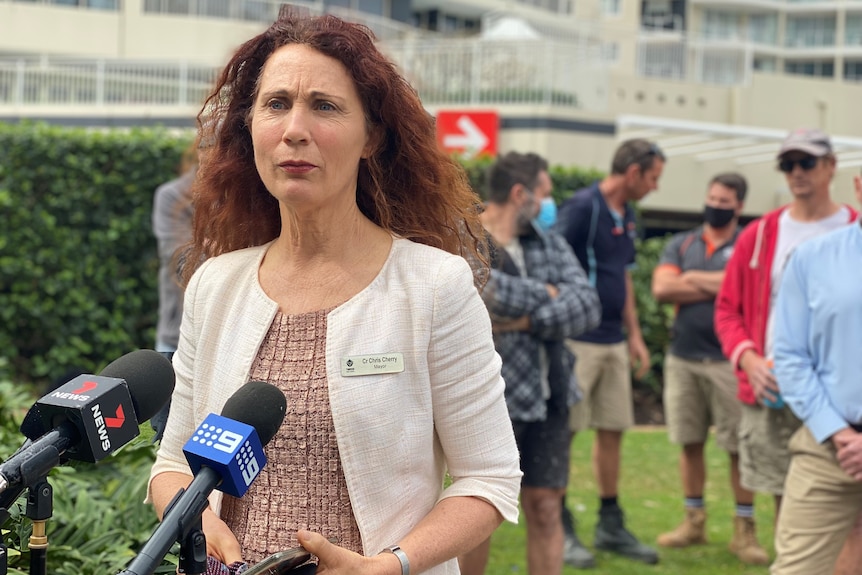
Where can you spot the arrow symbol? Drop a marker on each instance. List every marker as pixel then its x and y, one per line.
pixel 472 139
pixel 116 422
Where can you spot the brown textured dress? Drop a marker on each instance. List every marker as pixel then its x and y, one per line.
pixel 302 485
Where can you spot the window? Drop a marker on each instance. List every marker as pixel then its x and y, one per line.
pixel 610 53
pixel 765 64
pixel 853 30
pixel 375 7
pixel 763 28
pixel 819 68
pixel 853 70
pixel 718 25
pixel 612 7
pixel 808 31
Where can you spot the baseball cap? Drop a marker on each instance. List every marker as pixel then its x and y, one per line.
pixel 810 141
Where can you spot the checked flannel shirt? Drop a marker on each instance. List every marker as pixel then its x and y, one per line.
pixel 548 259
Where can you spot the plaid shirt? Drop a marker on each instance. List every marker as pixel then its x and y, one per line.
pixel 548 259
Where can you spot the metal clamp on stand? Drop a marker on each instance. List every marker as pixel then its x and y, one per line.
pixel 193 550
pixel 40 508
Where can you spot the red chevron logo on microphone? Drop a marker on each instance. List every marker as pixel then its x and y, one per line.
pixel 118 421
pixel 87 386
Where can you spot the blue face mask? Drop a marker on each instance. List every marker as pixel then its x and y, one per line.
pixel 547 214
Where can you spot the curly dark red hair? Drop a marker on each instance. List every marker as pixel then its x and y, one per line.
pixel 408 186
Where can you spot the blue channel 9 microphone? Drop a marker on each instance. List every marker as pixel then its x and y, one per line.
pixel 226 453
pixel 88 418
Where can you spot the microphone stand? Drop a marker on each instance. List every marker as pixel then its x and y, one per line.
pixel 40 508
pixel 190 536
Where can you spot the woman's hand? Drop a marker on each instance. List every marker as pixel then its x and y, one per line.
pixel 221 542
pixel 335 560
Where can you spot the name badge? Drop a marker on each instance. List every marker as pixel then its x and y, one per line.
pixel 372 364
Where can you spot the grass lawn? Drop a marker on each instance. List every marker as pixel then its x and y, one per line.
pixel 651 496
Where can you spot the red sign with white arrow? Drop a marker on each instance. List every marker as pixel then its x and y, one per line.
pixel 469 133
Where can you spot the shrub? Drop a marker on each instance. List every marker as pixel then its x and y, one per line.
pixel 78 261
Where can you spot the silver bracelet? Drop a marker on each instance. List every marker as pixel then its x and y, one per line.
pixel 402 557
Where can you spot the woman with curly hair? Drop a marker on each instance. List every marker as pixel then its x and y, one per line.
pixel 331 239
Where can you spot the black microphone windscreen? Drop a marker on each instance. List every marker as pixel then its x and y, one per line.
pixel 33 427
pixel 259 404
pixel 150 377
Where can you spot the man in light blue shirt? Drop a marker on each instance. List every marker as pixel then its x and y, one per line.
pixel 818 366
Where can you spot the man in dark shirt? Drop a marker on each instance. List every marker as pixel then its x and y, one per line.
pixel 599 224
pixel 699 382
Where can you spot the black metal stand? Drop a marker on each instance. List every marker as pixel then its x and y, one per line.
pixel 193 550
pixel 7 498
pixel 40 507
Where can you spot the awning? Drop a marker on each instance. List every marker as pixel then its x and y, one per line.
pixel 705 141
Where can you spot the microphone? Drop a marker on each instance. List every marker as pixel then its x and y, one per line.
pixel 226 453
pixel 88 418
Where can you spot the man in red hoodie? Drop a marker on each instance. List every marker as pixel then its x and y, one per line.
pixel 743 308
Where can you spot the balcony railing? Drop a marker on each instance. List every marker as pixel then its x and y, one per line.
pixel 543 72
pixel 451 72
pixel 102 83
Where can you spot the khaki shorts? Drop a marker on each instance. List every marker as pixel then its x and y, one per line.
pixel 604 376
pixel 698 394
pixel 819 507
pixel 764 455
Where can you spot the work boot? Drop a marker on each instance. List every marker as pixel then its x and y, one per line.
pixel 612 535
pixel 575 554
pixel 744 543
pixel 692 531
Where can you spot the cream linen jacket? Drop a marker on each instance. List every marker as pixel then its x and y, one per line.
pixel 399 433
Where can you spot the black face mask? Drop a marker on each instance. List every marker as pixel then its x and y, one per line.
pixel 718 217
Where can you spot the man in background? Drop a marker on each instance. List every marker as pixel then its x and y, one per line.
pixel 818 364
pixel 599 224
pixel 744 319
pixel 699 383
pixel 537 295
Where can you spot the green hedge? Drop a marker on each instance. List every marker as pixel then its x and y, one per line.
pixel 78 264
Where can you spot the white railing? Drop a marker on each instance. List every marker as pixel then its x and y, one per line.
pixel 102 83
pixel 543 72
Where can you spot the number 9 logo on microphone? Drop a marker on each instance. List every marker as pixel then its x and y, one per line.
pixel 231 447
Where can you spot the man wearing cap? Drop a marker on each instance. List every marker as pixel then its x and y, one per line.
pixel 744 320
pixel 818 327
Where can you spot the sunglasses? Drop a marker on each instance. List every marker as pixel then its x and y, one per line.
pixel 806 163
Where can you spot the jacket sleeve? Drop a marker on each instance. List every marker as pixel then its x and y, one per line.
pixel 576 309
pixel 795 366
pixel 509 297
pixel 729 321
pixel 470 414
